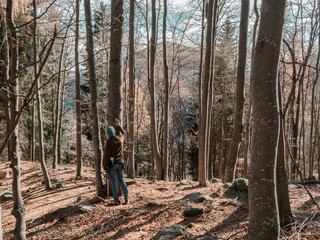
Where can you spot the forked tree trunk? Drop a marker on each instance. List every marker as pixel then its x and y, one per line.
pixel 241 76
pixel 263 211
pixel 11 69
pixel 131 139
pixel 94 100
pixel 205 97
pixel 39 108
pixel 154 138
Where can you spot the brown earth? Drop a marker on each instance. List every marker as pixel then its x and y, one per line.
pixel 153 205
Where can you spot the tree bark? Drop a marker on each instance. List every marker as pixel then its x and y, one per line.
pixel 166 101
pixel 205 98
pixel 12 43
pixel 94 100
pixel 39 108
pixel 115 96
pixel 78 96
pixel 285 214
pixel 248 117
pixel 154 138
pixel 263 211
pixel 131 139
pixel 241 76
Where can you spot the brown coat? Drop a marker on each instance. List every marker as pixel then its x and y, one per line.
pixel 114 148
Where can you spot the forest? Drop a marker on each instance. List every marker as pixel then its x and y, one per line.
pixel 219 100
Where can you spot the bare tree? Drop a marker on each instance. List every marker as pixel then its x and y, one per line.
pixel 154 139
pixel 241 76
pixel 205 97
pixel 131 164
pixel 78 99
pixel 166 101
pixel 40 128
pixel 94 100
pixel 263 212
pixel 115 96
pixel 11 69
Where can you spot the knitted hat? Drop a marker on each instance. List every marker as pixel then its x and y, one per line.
pixel 111 131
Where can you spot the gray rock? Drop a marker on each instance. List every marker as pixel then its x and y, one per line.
pixel 193 197
pixel 171 232
pixel 215 180
pixel 85 207
pixel 238 189
pixel 192 212
pixel 291 186
pixel 7 195
pixel 197 197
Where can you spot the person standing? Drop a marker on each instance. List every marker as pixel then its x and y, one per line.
pixel 113 160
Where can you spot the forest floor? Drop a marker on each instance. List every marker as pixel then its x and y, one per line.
pixel 153 205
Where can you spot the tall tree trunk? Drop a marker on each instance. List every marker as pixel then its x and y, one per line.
pixel 211 89
pixel 223 120
pixel 58 106
pixel 205 97
pixel 263 211
pixel 284 207
pixel 311 142
pixel 248 117
pixel 154 139
pixel 241 76
pixel 14 155
pixel 39 108
pixel 201 58
pixel 94 100
pixel 78 96
pixel 166 101
pixel 131 140
pixel 60 117
pixel 115 96
pixel 32 137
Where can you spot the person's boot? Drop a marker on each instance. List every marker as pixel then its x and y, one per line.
pixel 126 202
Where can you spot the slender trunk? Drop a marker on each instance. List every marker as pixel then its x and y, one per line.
pixel 263 210
pixel 241 76
pixel 78 96
pixel 211 89
pixel 11 37
pixel 311 142
pixel 248 117
pixel 222 146
pixel 32 138
pixel 205 97
pixel 166 101
pixel 284 208
pixel 154 139
pixel 39 109
pixel 201 58
pixel 94 100
pixel 131 140
pixel 60 118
